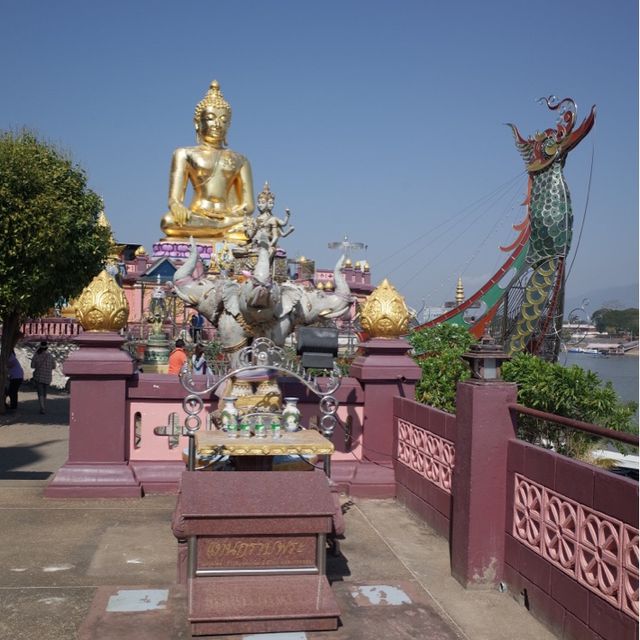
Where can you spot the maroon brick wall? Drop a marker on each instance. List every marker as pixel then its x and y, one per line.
pixel 424 445
pixel 571 551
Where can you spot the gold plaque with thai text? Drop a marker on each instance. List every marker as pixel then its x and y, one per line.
pixel 252 552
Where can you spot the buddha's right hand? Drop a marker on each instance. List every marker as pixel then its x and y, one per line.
pixel 180 213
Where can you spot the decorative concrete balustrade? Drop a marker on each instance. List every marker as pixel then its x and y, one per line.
pixel 560 534
pixel 424 461
pixel 572 543
pixel 51 329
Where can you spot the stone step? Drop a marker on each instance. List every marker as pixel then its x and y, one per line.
pixel 261 604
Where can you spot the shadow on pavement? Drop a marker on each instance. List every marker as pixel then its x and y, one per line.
pixel 337 567
pixel 12 458
pixel 28 411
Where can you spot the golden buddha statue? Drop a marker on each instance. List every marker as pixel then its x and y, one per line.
pixel 220 178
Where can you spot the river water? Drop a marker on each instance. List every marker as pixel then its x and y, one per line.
pixel 621 371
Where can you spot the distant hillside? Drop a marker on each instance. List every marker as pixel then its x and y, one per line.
pixel 621 297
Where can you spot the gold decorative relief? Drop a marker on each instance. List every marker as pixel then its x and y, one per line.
pixel 384 313
pixel 102 306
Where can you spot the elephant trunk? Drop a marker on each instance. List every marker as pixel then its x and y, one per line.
pixel 340 282
pixel 340 300
pixel 262 270
pixel 186 273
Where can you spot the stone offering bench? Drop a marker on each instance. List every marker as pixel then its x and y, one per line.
pixel 252 549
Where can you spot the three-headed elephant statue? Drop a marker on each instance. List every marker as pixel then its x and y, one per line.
pixel 257 306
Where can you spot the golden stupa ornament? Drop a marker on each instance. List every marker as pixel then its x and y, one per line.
pixel 102 306
pixel 384 313
pixel 459 291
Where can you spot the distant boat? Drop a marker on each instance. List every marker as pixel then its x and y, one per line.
pixel 584 350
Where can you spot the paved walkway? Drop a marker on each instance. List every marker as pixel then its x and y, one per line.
pixel 78 568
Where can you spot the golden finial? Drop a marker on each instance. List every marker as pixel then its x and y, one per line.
pixel 214 99
pixel 319 285
pixel 113 255
pixel 102 306
pixel 347 262
pixel 140 251
pixel 365 265
pixel 459 291
pixel 329 286
pixel 384 313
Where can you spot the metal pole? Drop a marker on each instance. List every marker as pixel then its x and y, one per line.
pixel 321 553
pixel 191 466
pixel 327 465
pixel 192 548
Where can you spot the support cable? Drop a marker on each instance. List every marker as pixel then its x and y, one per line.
pixel 452 220
pixel 584 215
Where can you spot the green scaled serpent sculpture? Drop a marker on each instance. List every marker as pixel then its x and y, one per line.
pixel 524 298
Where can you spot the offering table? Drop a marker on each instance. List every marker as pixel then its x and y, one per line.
pixel 256 454
pixel 253 543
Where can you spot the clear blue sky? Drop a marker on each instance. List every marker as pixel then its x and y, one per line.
pixel 380 120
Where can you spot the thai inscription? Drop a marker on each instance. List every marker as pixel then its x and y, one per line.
pixel 256 552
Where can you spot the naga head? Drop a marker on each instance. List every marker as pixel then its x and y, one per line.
pixel 551 145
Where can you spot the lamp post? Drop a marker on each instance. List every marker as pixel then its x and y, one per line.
pixel 485 359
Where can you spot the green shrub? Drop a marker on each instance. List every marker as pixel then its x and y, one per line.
pixel 437 350
pixel 572 392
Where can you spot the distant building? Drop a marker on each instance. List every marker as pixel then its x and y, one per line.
pixel 431 313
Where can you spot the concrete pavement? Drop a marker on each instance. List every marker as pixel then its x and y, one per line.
pixel 105 569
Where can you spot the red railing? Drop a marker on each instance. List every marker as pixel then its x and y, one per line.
pixel 53 329
pixel 593 429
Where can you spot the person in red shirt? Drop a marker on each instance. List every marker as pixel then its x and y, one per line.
pixel 177 357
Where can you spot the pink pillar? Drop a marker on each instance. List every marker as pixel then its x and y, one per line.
pixel 98 440
pixel 384 371
pixel 484 428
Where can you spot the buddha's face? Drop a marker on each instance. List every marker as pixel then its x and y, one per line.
pixel 213 125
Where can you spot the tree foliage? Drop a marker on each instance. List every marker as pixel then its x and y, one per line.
pixel 51 244
pixel 437 350
pixel 616 321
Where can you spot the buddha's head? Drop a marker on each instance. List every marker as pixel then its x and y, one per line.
pixel 266 199
pixel 212 117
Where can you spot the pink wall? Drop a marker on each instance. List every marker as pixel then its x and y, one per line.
pixel 572 544
pixel 155 396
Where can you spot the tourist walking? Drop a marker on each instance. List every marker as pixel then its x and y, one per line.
pixel 177 357
pixel 16 376
pixel 198 360
pixel 195 326
pixel 43 365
